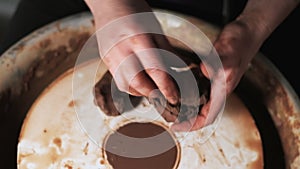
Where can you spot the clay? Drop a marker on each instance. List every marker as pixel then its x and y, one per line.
pixel 120 151
pixel 114 102
pixel 191 103
pixel 54 60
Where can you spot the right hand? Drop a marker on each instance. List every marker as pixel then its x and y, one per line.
pixel 136 69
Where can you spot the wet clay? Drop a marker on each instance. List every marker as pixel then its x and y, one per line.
pixel 124 153
pixel 113 102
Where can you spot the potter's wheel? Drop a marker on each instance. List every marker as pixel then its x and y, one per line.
pixel 52 135
pixel 265 92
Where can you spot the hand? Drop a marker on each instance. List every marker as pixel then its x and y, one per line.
pixel 126 48
pixel 236 46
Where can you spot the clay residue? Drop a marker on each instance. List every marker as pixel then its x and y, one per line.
pixel 49 63
pixel 278 99
pixel 57 141
pixel 86 148
pixel 71 103
pixel 54 58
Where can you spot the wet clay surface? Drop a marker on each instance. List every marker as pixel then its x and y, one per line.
pixel 273 153
pixel 14 105
pixel 120 151
pixel 113 102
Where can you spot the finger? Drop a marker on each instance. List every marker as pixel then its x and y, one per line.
pixel 204 70
pixel 154 67
pixel 192 124
pixel 116 56
pixel 128 72
pixel 216 102
pixel 141 84
pixel 168 116
pixel 209 111
pixel 165 84
pixel 134 92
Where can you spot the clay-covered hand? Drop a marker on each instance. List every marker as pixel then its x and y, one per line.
pixel 236 46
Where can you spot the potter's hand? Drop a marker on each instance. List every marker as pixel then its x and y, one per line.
pixel 236 46
pixel 125 46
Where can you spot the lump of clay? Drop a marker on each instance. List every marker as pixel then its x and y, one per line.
pixel 193 97
pixel 110 99
pixel 113 102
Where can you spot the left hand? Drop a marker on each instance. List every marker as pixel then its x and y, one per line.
pixel 236 46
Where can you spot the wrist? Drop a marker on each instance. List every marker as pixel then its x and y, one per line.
pixel 256 25
pixel 105 11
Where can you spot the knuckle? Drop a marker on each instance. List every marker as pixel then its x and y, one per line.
pixel 155 71
pixel 122 86
pixel 140 40
pixel 137 82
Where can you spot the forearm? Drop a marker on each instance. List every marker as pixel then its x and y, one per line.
pixel 263 16
pixel 108 10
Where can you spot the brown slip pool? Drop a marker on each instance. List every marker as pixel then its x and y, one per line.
pixel 124 147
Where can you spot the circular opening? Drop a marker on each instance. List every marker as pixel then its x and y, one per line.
pixel 141 145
